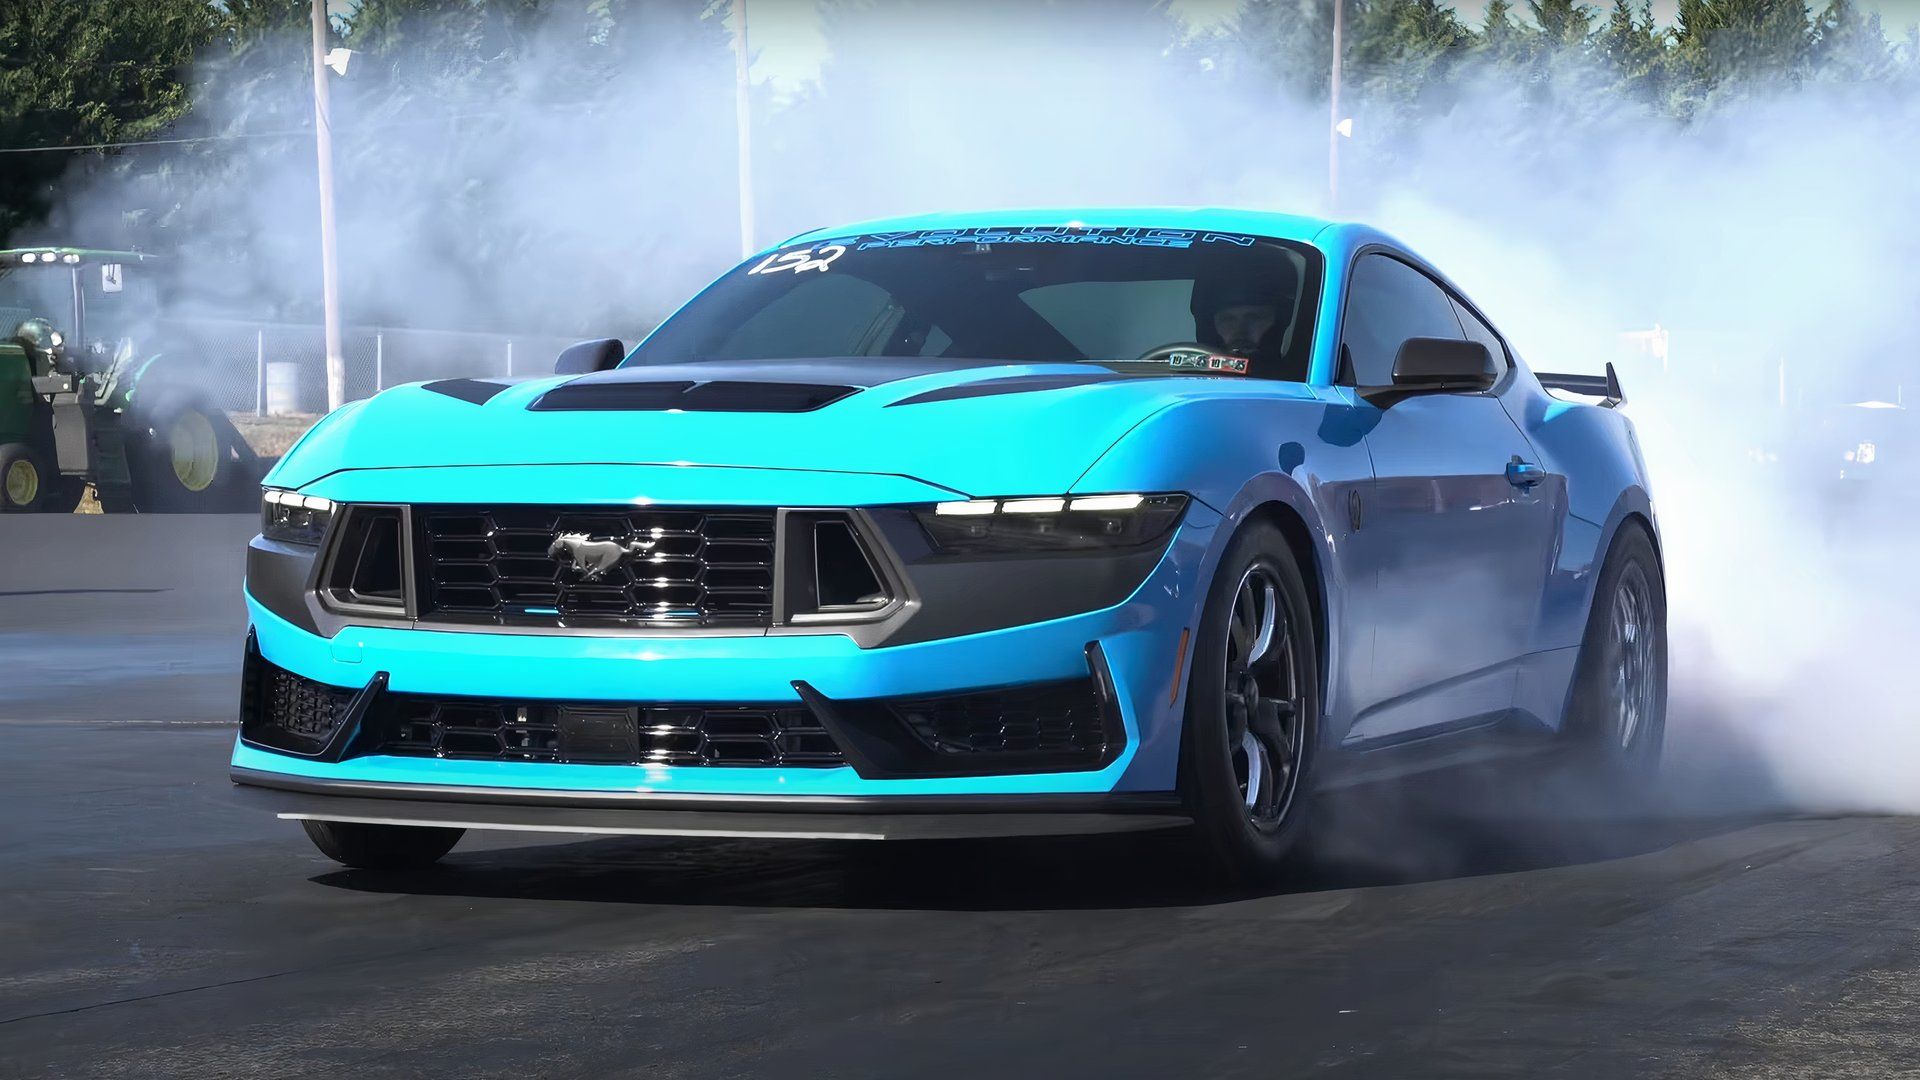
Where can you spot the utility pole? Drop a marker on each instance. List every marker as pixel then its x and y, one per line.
pixel 743 122
pixel 1333 108
pixel 329 256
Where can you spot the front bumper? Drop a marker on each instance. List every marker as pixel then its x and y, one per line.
pixel 764 817
pixel 1140 641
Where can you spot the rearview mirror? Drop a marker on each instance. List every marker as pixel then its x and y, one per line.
pixel 584 357
pixel 1435 366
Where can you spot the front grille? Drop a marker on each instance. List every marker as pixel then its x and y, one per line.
pixel 281 710
pixel 599 566
pixel 598 734
pixel 1061 718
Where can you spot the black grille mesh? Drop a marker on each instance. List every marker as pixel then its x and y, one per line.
pixel 1063 718
pixel 646 567
pixel 484 730
pixel 284 711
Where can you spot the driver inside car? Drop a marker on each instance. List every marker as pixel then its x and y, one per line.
pixel 1243 317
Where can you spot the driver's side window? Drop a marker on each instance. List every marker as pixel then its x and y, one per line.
pixel 1387 303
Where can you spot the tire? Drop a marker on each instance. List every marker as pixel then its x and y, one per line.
pixel 23 479
pixel 63 495
pixel 183 458
pixel 1617 713
pixel 1246 774
pixel 381 847
pixel 114 498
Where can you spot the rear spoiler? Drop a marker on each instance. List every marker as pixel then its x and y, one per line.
pixel 1605 386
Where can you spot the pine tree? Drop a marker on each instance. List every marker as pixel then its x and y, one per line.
pixel 1631 48
pixel 1849 46
pixel 1564 24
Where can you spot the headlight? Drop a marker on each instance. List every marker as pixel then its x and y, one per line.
pixel 293 518
pixel 1075 523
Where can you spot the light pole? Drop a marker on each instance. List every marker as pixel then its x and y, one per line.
pixel 1334 119
pixel 743 122
pixel 329 257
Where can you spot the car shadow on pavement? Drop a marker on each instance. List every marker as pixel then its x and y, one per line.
pixel 1362 838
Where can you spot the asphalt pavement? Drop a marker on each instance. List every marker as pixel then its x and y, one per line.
pixel 149 926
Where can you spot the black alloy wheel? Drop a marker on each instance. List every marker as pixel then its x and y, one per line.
pixel 1253 702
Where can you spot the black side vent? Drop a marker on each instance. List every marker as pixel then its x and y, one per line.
pixel 586 395
pixel 843 575
pixel 828 569
pixel 366 571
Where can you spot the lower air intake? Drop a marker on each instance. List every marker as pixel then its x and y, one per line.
pixel 598 734
pixel 282 711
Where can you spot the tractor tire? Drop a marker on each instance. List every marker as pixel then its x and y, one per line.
pixel 114 498
pixel 23 479
pixel 63 495
pixel 186 458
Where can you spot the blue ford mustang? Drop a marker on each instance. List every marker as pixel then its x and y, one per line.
pixel 970 524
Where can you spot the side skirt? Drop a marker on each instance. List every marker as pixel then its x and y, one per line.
pixel 1479 740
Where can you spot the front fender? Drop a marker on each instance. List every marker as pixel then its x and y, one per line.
pixel 1284 453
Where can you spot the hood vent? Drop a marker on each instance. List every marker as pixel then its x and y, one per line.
pixel 718 396
pixel 477 391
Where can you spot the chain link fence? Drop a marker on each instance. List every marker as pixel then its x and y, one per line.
pixel 281 368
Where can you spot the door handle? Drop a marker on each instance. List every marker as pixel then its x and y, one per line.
pixel 1524 474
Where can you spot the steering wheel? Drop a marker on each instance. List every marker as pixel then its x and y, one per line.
pixel 1194 356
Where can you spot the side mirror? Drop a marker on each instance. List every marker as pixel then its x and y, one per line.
pixel 1435 366
pixel 585 357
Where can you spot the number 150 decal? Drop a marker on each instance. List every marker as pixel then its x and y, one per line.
pixel 799 261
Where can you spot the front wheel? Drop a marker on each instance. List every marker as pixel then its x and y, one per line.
pixel 381 847
pixel 1253 708
pixel 23 480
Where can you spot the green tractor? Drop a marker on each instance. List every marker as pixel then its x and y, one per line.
pixel 82 401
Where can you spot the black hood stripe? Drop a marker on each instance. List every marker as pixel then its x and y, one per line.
pixel 1015 384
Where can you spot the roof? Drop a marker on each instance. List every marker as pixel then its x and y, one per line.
pixel 86 255
pixel 1209 218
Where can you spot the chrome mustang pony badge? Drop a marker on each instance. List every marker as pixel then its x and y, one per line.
pixel 591 558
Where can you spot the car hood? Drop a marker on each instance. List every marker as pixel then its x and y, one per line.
pixel 969 427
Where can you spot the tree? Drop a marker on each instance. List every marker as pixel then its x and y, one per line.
pixel 1502 40
pixel 88 71
pixel 1849 46
pixel 1729 47
pixel 1563 24
pixel 1633 49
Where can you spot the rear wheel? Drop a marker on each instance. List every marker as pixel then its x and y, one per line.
pixel 381 847
pixel 1617 719
pixel 63 495
pixel 183 459
pixel 23 480
pixel 1253 706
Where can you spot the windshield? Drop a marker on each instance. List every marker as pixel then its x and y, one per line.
pixel 1145 301
pixel 33 292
